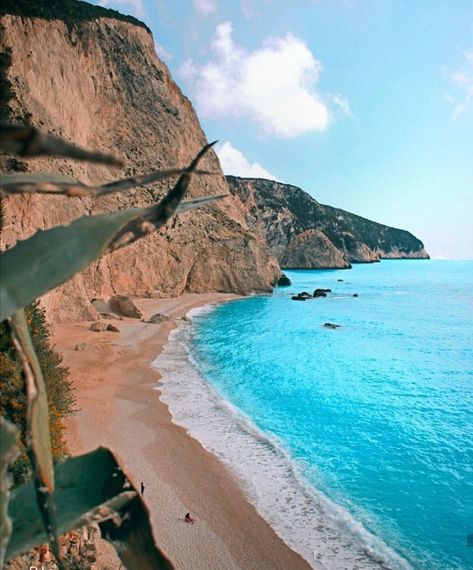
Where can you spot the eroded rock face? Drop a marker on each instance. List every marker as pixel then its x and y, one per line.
pixel 100 85
pixel 312 249
pixel 304 234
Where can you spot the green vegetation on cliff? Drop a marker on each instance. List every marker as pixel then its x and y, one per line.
pixel 72 12
pixel 13 397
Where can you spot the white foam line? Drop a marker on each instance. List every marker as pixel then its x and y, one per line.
pixel 324 533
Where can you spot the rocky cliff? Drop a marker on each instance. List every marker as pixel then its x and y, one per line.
pixel 302 233
pixel 93 77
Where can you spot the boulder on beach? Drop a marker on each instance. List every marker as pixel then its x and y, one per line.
pixel 98 326
pixel 124 306
pixel 112 328
pixel 86 346
pixel 157 319
pixel 100 305
pixel 284 281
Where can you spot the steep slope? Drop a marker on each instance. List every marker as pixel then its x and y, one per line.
pixel 85 74
pixel 302 233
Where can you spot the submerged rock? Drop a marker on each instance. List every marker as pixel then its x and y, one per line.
pixel 331 326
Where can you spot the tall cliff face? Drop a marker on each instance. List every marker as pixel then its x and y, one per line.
pixel 99 84
pixel 302 233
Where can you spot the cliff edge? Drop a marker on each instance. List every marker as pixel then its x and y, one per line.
pixel 92 77
pixel 304 234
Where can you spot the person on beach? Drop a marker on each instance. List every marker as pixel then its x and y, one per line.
pixel 189 519
pixel 142 488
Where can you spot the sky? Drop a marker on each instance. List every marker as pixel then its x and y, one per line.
pixel 365 104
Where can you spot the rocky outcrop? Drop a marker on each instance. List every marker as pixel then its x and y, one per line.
pixel 96 80
pixel 312 249
pixel 302 233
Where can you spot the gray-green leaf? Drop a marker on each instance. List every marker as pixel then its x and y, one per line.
pixel 91 488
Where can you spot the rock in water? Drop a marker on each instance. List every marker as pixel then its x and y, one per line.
pixel 284 281
pixel 331 326
pixel 124 306
pixel 320 293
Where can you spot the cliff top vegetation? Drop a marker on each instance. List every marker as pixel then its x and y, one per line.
pixel 72 12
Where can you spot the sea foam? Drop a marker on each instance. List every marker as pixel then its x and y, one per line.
pixel 324 533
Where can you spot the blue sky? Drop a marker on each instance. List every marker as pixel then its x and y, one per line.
pixel 365 104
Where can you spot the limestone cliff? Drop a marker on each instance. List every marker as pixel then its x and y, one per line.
pixel 302 233
pixel 93 78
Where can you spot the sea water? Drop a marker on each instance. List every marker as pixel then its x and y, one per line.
pixel 355 443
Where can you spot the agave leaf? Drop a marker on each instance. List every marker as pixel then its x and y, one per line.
pixel 155 216
pixel 34 183
pixel 49 258
pixel 91 488
pixel 37 416
pixel 29 141
pixel 197 202
pixel 8 453
pixel 38 438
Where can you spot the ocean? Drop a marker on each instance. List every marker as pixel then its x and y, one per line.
pixel 355 443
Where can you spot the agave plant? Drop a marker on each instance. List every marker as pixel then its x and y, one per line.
pixel 92 487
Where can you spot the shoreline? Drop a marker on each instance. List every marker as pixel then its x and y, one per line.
pixel 118 394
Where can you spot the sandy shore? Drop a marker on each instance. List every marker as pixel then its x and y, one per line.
pixel 120 409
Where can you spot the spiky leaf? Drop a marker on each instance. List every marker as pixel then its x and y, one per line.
pixel 8 453
pixel 49 258
pixel 90 489
pixel 43 183
pixel 38 437
pixel 29 141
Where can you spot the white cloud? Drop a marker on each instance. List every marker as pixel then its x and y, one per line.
pixel 234 162
pixel 136 6
pixel 274 86
pixel 205 7
pixel 461 100
pixel 342 103
pixel 162 51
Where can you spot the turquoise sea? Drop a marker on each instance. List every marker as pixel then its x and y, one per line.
pixel 356 444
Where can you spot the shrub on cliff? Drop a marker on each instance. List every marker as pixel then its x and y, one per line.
pixel 12 394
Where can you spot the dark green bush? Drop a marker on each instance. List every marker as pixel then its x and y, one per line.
pixel 12 388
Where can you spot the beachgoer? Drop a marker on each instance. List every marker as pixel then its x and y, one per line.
pixel 189 519
pixel 142 488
